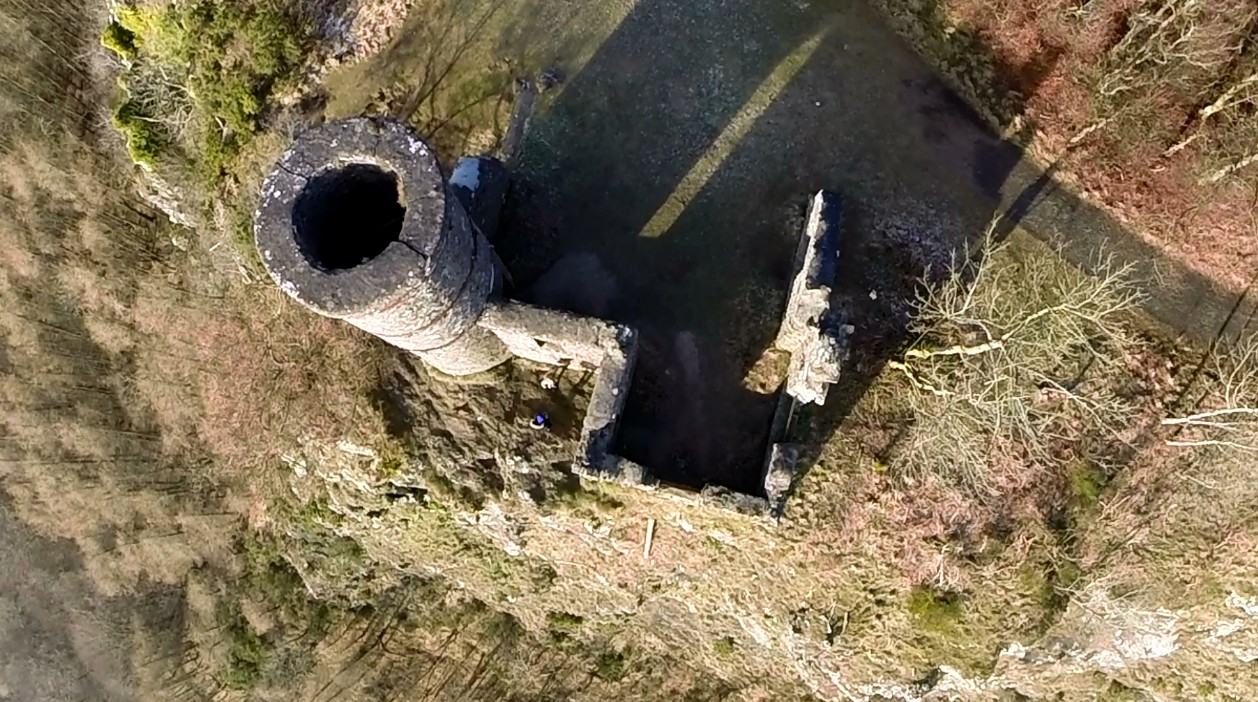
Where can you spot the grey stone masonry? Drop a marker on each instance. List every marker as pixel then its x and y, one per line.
pixel 810 332
pixel 480 183
pixel 357 222
pixel 569 340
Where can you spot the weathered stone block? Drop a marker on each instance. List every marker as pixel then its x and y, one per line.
pixel 810 331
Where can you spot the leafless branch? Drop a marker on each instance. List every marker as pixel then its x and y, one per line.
pixel 1229 411
pixel 1006 362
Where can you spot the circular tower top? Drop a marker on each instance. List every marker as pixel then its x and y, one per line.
pixel 354 216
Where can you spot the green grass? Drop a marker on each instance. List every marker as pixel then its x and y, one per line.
pixel 255 660
pixel 145 142
pixel 724 647
pixel 270 577
pixel 247 653
pixel 563 626
pixel 1049 584
pixel 314 516
pixel 934 611
pixel 591 499
pixel 393 460
pixel 1115 691
pixel 610 665
pixel 1085 483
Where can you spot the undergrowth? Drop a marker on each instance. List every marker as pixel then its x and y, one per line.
pixel 145 140
pixel 222 61
pixel 247 654
pixel 201 78
pixel 119 40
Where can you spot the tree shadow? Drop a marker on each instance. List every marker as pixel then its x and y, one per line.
pixel 681 157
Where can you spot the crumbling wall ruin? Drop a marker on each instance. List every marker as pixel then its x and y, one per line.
pixel 811 331
pixel 358 222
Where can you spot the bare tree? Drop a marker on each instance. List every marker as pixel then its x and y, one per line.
pixel 1182 44
pixel 1012 364
pixel 1227 416
pixel 1200 53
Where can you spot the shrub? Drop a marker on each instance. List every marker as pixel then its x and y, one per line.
pixel 227 59
pixel 141 22
pixel 119 40
pixel 247 652
pixel 234 54
pixel 144 138
pixel 1015 365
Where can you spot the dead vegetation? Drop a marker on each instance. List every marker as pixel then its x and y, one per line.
pixel 1226 417
pixel 1016 363
pixel 1164 91
pixel 1179 529
pixel 1140 516
pixel 156 399
pixel 1189 58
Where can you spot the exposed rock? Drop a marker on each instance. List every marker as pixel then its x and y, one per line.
pixel 167 198
pixel 810 330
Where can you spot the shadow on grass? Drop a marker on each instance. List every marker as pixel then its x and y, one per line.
pixel 680 159
pixel 663 182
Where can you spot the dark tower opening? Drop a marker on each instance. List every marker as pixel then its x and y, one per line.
pixel 348 215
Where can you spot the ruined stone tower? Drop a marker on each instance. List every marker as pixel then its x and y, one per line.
pixel 357 222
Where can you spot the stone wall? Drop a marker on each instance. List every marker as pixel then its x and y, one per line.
pixel 420 280
pixel 811 330
pixel 358 222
